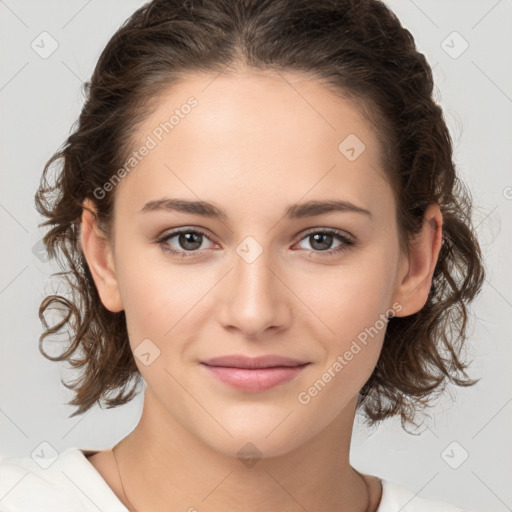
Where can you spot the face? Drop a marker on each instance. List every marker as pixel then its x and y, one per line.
pixel 309 283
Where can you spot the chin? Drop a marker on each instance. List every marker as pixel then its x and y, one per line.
pixel 260 438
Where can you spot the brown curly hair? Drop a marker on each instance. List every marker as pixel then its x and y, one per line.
pixel 359 50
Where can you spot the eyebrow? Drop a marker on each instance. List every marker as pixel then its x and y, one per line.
pixel 294 211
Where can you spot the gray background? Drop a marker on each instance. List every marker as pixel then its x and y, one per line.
pixel 40 99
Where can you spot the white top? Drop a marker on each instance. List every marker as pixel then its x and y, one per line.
pixel 70 483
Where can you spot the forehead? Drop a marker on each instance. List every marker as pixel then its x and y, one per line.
pixel 261 134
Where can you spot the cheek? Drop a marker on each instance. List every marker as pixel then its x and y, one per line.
pixel 159 297
pixel 354 294
pixel 354 310
pixel 352 302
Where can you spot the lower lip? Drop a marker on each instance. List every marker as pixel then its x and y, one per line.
pixel 255 380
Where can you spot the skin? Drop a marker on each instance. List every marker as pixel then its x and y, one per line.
pixel 255 144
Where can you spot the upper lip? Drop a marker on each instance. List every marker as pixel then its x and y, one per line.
pixel 240 361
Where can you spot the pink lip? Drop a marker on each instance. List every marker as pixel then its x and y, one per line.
pixel 254 374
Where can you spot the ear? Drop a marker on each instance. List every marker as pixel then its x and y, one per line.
pixel 415 280
pixel 98 254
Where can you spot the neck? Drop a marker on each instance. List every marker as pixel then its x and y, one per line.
pixel 162 463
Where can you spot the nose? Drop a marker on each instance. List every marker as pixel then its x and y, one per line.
pixel 255 298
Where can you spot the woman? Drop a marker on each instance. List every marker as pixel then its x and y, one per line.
pixel 260 220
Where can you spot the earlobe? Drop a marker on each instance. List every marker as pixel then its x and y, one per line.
pixel 414 287
pixel 98 254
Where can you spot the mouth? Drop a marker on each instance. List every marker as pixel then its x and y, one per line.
pixel 254 374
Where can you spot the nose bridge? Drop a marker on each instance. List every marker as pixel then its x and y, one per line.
pixel 253 278
pixel 255 300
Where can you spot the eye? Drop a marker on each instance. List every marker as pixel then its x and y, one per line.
pixel 321 240
pixel 188 242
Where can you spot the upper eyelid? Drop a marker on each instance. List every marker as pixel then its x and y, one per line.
pixel 337 231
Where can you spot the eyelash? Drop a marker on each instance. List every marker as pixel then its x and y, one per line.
pixel 346 242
